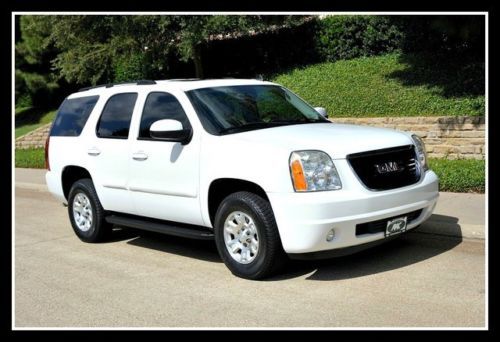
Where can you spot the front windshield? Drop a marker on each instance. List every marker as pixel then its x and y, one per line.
pixel 232 109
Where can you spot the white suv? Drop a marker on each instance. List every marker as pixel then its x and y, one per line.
pixel 245 162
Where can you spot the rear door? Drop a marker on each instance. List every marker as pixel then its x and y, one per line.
pixel 108 152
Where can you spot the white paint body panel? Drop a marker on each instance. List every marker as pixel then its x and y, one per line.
pixel 172 183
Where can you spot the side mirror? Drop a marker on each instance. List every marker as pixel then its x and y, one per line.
pixel 322 111
pixel 170 130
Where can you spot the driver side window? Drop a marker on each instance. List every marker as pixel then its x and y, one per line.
pixel 159 106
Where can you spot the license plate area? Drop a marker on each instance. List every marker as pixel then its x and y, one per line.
pixel 396 226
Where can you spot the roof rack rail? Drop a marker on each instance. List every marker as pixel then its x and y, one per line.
pixel 109 85
pixel 183 79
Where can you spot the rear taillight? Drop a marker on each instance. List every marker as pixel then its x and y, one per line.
pixel 47 164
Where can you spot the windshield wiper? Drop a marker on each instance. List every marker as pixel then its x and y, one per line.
pixel 248 125
pixel 298 121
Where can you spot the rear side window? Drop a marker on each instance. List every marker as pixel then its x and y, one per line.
pixel 116 116
pixel 161 106
pixel 72 116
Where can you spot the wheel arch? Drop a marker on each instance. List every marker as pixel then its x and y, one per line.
pixel 70 174
pixel 222 187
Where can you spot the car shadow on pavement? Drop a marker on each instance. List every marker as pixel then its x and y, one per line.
pixel 412 247
pixel 197 249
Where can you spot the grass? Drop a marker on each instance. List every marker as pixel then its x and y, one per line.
pixel 462 175
pixel 30 158
pixel 391 85
pixel 29 119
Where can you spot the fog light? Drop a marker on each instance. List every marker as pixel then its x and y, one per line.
pixel 330 235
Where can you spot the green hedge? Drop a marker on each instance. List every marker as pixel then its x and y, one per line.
pixel 346 37
pixel 462 175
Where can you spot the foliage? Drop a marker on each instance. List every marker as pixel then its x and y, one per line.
pixel 460 34
pixel 35 85
pixel 273 50
pixel 131 67
pixel 462 175
pixel 196 30
pixel 91 45
pixel 345 37
pixel 30 158
pixel 388 85
pixel 101 49
pixel 56 54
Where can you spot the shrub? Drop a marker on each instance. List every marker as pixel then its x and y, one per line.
pixel 30 158
pixel 346 37
pixel 462 175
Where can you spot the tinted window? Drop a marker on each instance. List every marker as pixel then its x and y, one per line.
pixel 116 116
pixel 161 106
pixel 72 116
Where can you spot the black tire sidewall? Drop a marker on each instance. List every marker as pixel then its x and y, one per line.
pixel 253 269
pixel 92 233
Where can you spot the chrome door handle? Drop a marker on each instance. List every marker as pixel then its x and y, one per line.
pixel 93 151
pixel 139 156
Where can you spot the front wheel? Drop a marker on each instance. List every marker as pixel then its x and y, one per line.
pixel 247 236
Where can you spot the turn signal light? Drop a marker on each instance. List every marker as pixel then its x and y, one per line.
pixel 299 180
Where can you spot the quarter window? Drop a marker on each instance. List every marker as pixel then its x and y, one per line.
pixel 72 116
pixel 116 116
pixel 159 106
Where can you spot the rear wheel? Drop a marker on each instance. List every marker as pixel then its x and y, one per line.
pixel 247 236
pixel 86 213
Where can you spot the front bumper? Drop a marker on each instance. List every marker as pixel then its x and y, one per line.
pixel 304 219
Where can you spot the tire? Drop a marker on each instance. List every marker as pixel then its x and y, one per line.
pixel 87 219
pixel 258 216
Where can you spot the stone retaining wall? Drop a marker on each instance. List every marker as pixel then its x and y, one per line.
pixel 34 139
pixel 445 137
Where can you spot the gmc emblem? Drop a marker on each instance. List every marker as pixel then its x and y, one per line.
pixel 387 167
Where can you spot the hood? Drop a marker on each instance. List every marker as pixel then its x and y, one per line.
pixel 338 140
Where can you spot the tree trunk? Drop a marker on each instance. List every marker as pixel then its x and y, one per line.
pixel 198 66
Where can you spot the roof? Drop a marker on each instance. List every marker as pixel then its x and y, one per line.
pixel 175 84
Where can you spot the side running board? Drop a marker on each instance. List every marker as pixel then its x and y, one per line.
pixel 157 226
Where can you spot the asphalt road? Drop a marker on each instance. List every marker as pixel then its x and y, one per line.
pixel 149 280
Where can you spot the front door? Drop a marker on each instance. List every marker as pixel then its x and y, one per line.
pixel 164 176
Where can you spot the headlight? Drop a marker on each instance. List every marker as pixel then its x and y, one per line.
pixel 313 171
pixel 420 150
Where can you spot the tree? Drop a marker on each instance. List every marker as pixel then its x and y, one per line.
pixel 35 84
pixel 197 30
pixel 101 49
